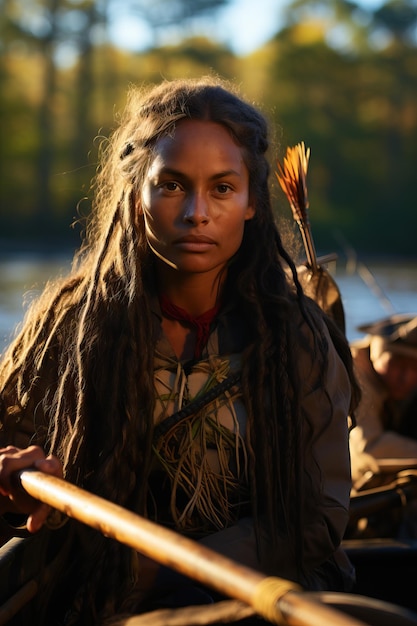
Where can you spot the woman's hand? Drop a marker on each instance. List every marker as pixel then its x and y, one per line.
pixel 15 499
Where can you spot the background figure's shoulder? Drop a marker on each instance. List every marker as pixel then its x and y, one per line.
pixel 360 348
pixel 360 351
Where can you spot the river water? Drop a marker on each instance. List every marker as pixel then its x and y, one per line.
pixel 369 292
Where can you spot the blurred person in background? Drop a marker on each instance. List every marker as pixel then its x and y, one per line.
pixel 386 366
pixel 384 441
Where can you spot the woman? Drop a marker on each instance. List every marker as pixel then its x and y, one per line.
pixel 182 284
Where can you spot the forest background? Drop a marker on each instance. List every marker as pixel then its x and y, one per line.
pixel 336 76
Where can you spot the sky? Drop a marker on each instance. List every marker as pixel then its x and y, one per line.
pixel 244 25
pixel 253 22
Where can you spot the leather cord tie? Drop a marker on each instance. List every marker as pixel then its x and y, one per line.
pixel 201 323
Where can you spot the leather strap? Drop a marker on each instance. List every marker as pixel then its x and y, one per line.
pixel 193 407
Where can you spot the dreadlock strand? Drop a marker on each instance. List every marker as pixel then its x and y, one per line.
pixel 83 344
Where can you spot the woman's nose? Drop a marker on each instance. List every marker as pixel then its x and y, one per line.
pixel 196 209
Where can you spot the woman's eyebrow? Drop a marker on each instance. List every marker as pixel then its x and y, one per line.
pixel 170 171
pixel 225 174
pixel 179 175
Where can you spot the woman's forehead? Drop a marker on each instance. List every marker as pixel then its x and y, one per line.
pixel 197 140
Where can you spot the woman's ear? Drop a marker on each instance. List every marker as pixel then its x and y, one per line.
pixel 250 211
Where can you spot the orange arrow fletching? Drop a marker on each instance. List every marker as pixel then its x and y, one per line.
pixel 292 177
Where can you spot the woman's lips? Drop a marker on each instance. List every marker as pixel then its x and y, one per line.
pixel 195 243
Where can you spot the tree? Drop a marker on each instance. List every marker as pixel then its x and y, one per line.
pixel 162 14
pixel 398 18
pixel 357 110
pixel 64 38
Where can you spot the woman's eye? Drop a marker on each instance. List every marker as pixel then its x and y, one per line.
pixel 223 188
pixel 170 186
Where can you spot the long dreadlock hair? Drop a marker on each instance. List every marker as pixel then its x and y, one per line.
pixel 82 366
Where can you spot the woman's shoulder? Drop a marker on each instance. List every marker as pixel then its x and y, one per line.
pixel 308 322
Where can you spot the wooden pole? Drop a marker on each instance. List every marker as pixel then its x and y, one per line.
pixel 265 595
pixel 13 605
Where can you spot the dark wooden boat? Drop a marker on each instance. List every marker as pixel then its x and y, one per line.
pixel 377 541
pixel 384 595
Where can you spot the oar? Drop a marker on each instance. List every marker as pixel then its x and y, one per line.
pixel 315 279
pixel 277 600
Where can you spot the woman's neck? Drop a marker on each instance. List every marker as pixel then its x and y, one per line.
pixel 195 293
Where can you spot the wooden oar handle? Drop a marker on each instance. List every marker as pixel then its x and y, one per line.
pixel 192 559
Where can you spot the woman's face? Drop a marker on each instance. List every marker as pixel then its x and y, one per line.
pixel 195 198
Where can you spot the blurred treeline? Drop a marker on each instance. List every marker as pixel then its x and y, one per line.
pixel 340 79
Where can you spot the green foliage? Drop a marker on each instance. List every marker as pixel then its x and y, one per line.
pixel 357 112
pixel 352 100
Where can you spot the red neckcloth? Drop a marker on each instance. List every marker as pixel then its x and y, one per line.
pixel 201 323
